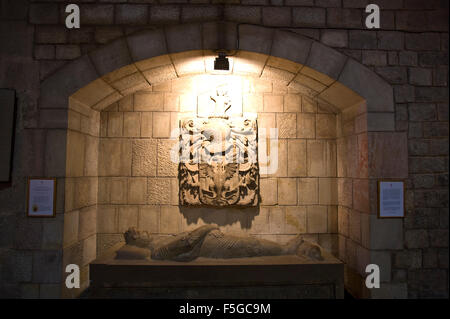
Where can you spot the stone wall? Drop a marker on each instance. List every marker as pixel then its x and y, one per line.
pixel 138 184
pixel 410 51
pixel 81 188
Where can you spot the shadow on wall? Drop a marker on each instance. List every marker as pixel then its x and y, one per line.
pixel 240 217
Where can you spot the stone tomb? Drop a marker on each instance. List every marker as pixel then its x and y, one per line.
pixel 271 277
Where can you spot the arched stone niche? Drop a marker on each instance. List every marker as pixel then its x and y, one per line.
pixel 343 115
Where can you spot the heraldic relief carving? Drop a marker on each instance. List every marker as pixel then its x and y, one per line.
pixel 218 158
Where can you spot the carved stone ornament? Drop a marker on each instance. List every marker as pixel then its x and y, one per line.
pixel 218 159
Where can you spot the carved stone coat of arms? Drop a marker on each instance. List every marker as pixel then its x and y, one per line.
pixel 218 160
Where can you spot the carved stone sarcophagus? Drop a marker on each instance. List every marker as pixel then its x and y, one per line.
pixel 218 161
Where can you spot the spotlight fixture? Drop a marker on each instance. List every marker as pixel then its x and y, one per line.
pixel 221 62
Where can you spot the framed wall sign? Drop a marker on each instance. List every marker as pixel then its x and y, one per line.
pixel 391 199
pixel 41 197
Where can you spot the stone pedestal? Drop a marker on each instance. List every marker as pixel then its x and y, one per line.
pixel 274 277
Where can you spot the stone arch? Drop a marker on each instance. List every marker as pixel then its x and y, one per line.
pixel 318 70
pixel 139 61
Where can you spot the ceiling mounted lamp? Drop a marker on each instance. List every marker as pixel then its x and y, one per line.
pixel 221 62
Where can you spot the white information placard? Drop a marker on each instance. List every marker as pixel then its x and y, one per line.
pixel 41 197
pixel 391 203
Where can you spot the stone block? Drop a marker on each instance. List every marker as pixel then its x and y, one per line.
pixel 379 95
pixel 137 190
pixel 308 191
pixel 391 291
pixel 383 147
pixel 148 101
pixel 144 157
pixel 362 40
pixel 273 103
pixel 47 266
pixel 299 46
pixel 167 166
pixel 380 122
pixel 243 14
pixel 252 103
pixel 44 52
pixel 167 14
pixel 170 220
pixel 107 219
pixel 171 102
pixel 332 219
pixel 243 67
pixel 128 217
pixel 67 52
pixel 268 191
pixel 375 58
pixel 287 191
pixel 321 159
pixel 325 125
pixel 115 124
pixel 345 192
pixel 55 153
pixel 51 34
pixel 390 40
pixel 115 157
pixel 255 38
pixel 404 93
pixel 386 233
pixel 408 58
pixel 277 220
pixel 422 41
pixel 286 124
pixel 161 125
pixel 309 17
pixel 355 226
pixel 159 190
pixel 411 259
pixel 420 76
pixel 131 124
pixel 328 191
pixel 56 89
pixel 308 105
pixel 106 34
pixel 316 219
pixel 297 158
pixel 361 195
pixel 276 16
pixel 292 103
pixel 199 13
pixel 184 37
pixel 118 190
pixel 87 225
pixel 75 154
pixel 343 221
pixel 149 219
pixel 131 14
pixel 89 249
pixel 334 38
pixel 160 74
pixel 393 74
pixel 146 124
pixel 295 220
pixel 111 57
pixel 97 14
pixel 260 222
pixel 326 60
